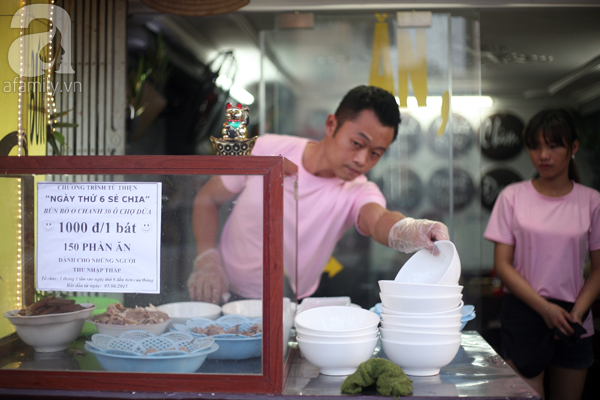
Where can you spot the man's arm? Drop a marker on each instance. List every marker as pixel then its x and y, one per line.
pixel 376 221
pixel 208 281
pixel 393 229
pixel 205 214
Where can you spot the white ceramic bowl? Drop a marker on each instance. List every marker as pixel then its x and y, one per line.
pixel 116 330
pixel 52 332
pixel 432 321
pixel 398 335
pixel 420 304
pixel 454 328
pixel 182 311
pixel 312 337
pixel 337 358
pixel 454 311
pixel 251 308
pixel 313 302
pixel 337 320
pixel 424 267
pixel 420 359
pixel 418 289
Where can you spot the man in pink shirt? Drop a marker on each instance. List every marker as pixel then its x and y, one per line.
pixel 333 196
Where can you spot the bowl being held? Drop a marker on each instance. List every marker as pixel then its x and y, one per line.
pixel 420 359
pixel 337 320
pixel 50 332
pixel 424 267
pixel 420 304
pixel 409 289
pixel 337 358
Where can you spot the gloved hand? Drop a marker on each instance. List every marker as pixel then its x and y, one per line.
pixel 409 235
pixel 208 281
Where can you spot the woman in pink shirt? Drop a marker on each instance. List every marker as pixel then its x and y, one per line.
pixel 544 229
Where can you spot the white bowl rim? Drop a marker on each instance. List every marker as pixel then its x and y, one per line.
pixel 428 285
pixel 191 303
pixel 304 314
pixel 421 344
pixel 420 316
pixel 333 343
pixel 425 332
pixel 128 327
pixel 422 298
pixel 328 333
pixel 427 327
pixel 439 313
pixel 45 319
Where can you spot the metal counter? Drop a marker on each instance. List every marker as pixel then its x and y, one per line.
pixel 477 372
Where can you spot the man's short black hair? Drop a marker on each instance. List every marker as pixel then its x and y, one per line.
pixel 380 101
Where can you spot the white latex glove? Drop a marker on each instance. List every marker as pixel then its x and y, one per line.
pixel 208 281
pixel 409 235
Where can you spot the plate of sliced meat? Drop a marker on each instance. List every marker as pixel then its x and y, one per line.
pixel 238 337
pixel 118 319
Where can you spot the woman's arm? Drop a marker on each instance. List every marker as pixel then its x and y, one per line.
pixel 591 289
pixel 554 315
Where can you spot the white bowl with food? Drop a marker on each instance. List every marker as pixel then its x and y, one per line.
pixel 426 320
pixel 418 289
pixel 420 359
pixel 337 358
pixel 453 312
pixel 420 304
pixel 441 269
pixel 337 320
pixel 51 332
pixel 251 308
pixel 422 337
pixel 182 311
pixel 118 319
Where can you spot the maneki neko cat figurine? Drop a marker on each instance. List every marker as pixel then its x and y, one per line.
pixel 237 118
pixel 234 140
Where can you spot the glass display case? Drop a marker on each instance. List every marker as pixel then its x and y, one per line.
pixel 128 230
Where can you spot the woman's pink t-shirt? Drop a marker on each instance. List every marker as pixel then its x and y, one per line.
pixel 551 236
pixel 327 208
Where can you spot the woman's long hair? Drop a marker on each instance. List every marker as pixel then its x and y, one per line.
pixel 557 126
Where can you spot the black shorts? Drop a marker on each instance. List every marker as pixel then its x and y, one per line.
pixel 530 344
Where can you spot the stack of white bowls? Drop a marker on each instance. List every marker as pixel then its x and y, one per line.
pixel 421 312
pixel 337 339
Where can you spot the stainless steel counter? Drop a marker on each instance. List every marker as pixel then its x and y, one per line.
pixel 477 371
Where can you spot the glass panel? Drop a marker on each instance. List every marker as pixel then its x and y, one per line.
pixel 100 237
pixel 421 175
pixel 290 259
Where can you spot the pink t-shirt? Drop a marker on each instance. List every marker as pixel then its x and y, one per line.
pixel 327 208
pixel 551 235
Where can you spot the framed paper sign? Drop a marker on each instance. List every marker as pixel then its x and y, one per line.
pixel 99 237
